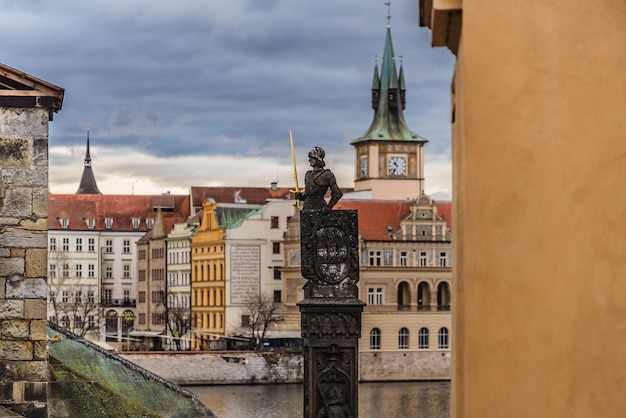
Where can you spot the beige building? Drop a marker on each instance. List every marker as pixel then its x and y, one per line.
pixel 538 99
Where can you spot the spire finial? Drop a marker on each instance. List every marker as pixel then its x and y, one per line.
pixel 376 59
pixel 388 4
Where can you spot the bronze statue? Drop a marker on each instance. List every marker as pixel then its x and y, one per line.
pixel 317 182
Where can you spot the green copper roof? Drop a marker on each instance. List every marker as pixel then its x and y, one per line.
pixel 388 102
pixel 87 381
pixel 231 217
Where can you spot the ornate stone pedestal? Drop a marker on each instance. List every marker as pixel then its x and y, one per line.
pixel 331 313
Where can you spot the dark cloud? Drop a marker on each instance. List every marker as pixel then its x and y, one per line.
pixel 196 78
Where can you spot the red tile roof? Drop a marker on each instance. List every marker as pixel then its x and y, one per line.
pixel 252 195
pixel 376 215
pixel 121 208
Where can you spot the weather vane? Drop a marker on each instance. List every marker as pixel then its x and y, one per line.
pixel 388 4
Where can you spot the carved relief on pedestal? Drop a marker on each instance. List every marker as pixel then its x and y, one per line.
pixel 331 325
pixel 334 371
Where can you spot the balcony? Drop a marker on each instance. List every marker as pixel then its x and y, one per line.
pixel 118 302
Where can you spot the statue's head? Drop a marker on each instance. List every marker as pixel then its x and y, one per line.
pixel 318 154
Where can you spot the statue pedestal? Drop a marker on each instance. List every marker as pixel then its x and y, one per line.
pixel 330 312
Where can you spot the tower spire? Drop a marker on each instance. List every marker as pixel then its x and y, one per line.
pixel 88 181
pixel 388 4
pixel 388 99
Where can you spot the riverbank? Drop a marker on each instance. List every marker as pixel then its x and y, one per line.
pixel 220 368
pixel 245 367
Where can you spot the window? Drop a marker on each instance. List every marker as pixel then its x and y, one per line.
pixel 66 244
pixel 91 223
pixel 53 270
pixel 375 258
pixel 149 223
pixel 79 270
pixel 142 297
pixel 91 245
pixel 135 222
pixel 277 296
pixel 91 322
pixel 51 297
pixel 423 259
pixel 245 320
pixel 142 254
pixel 142 275
pixel 91 296
pixel 423 296
pixel 108 223
pixel 65 223
pixel 65 270
pixel 274 222
pixel 275 247
pixel 79 245
pixel 65 296
pixel 78 296
pixel 53 244
pixel 78 322
pixel 108 296
pixel 108 271
pixel 277 275
pixel 126 295
pixel 142 318
pixel 375 296
pixel 91 270
pixel 443 259
pixel 403 339
pixel 108 246
pixel 443 339
pixel 403 258
pixel 375 339
pixel 126 246
pixel 126 271
pixel 423 338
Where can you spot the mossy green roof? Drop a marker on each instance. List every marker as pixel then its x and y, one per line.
pixel 88 381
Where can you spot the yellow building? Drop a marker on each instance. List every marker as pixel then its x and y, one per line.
pixel 538 110
pixel 207 279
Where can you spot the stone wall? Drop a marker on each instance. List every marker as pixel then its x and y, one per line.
pixel 411 365
pixel 202 368
pixel 23 259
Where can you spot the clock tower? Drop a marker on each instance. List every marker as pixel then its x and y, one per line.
pixel 389 156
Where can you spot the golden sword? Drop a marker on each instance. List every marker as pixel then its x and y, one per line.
pixel 295 171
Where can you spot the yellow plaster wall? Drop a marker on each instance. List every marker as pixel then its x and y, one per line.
pixel 539 155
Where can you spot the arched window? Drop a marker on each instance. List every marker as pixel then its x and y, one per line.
pixel 443 296
pixel 128 320
pixel 375 339
pixel 443 338
pixel 403 339
pixel 404 297
pixel 111 322
pixel 423 297
pixel 423 338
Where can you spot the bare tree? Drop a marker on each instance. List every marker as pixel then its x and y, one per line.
pixel 179 323
pixel 262 312
pixel 72 303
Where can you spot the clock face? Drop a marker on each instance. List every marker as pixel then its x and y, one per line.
pixel 363 167
pixel 397 166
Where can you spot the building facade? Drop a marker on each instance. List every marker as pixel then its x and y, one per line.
pixel 538 99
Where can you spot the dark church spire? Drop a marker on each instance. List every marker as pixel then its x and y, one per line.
pixel 388 99
pixel 88 181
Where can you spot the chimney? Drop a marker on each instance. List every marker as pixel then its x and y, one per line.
pixel 274 186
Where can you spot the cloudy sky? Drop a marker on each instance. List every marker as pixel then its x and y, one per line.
pixel 204 92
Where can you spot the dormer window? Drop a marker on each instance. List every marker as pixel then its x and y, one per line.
pixel 149 223
pixel 108 223
pixel 136 223
pixel 65 223
pixel 91 223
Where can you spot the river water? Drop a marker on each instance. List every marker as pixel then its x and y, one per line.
pixel 376 400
